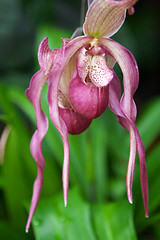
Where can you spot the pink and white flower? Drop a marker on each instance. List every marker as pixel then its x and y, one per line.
pixel 81 84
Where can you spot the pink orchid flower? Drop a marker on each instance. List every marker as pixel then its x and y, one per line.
pixel 81 84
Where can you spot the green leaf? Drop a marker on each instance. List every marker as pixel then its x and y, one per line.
pixel 16 179
pixel 153 166
pixel 149 129
pixel 148 124
pixel 8 232
pixel 114 221
pixel 52 221
pixel 99 158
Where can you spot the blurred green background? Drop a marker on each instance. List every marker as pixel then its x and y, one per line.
pixel 97 204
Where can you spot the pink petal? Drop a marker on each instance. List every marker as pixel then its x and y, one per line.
pixel 129 68
pixel 130 72
pixel 44 53
pixel 48 58
pixel 135 141
pixel 143 172
pixel 35 197
pixel 54 79
pixel 105 17
pixel 33 93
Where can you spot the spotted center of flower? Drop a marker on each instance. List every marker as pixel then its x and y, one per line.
pixel 99 72
pixel 93 69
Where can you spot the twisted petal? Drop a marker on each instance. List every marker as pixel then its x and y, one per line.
pixel 47 62
pixel 126 109
pixel 70 49
pixel 130 72
pixel 105 17
pixel 44 54
pixel 47 57
pixel 135 142
pixel 33 93
pixel 114 96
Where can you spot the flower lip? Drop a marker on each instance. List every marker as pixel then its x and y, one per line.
pixel 75 122
pixel 88 100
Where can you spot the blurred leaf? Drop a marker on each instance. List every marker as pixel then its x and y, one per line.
pixel 153 166
pixel 1 181
pixel 99 144
pixel 53 221
pixel 16 182
pixel 117 187
pixel 113 221
pixel 118 144
pixel 79 149
pixel 148 124
pixel 8 232
pixel 79 219
pixel 16 185
pixel 149 129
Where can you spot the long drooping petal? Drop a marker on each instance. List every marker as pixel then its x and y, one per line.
pixel 135 141
pixel 105 17
pixel 33 93
pixel 114 97
pixel 129 69
pixel 130 72
pixel 54 79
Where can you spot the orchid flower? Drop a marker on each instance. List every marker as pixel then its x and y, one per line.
pixel 81 84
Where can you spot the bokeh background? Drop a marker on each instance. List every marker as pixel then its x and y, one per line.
pixel 97 207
